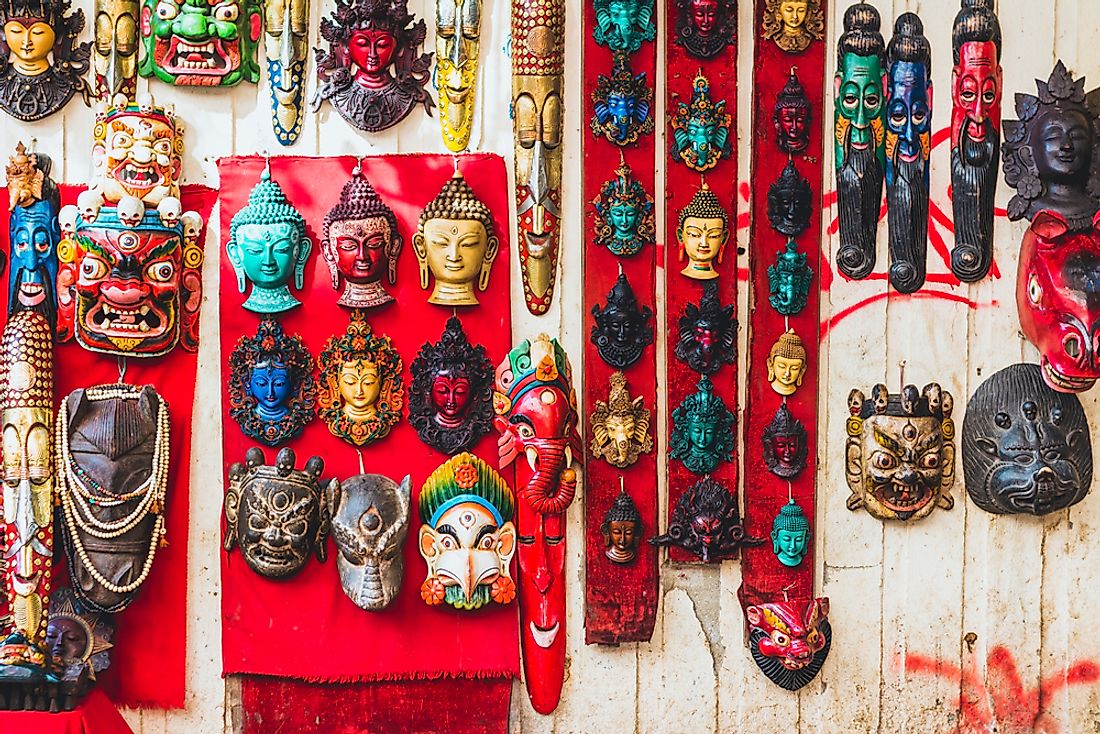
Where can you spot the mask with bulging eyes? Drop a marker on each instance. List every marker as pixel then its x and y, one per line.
pixel 370 519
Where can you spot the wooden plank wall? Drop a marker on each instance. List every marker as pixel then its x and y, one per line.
pixel 920 614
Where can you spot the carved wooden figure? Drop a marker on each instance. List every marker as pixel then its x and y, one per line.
pixel 623 104
pixel 620 426
pixel 622 328
pixel 457 51
pixel 115 51
pixel 286 48
pixel 625 221
pixel 793 24
pixel 622 530
pixel 702 431
pixel 33 234
pixel 705 28
pixel 41 64
pixel 195 44
pixel 707 337
pixel 790 640
pixel 706 522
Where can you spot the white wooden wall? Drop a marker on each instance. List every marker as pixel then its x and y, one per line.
pixel 897 592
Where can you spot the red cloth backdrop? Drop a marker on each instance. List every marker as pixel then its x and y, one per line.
pixel 305 627
pixel 94 715
pixel 764 578
pixel 148 660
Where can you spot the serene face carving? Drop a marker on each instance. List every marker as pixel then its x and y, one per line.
pixel 271 386
pixel 700 129
pixel 704 15
pixel 787 373
pixel 361 248
pixel 450 397
pixel 1062 147
pixel 66 640
pixel 30 42
pixel 27 451
pixel 196 43
pixel 114 54
pixel 372 51
pixel 792 13
pixel 270 252
pixel 457 42
pixel 455 251
pixel 34 235
pixel 359 388
pixel 703 241
pixel 792 124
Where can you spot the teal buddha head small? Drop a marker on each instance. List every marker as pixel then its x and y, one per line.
pixel 268 246
pixel 790 534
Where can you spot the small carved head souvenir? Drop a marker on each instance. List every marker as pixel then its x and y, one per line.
pixel 793 24
pixel 622 25
pixel 707 337
pixel 790 535
pixel 705 27
pixel 702 430
pixel 900 455
pixel 467 536
pixel 115 51
pixel 190 43
pixel 623 328
pixel 706 522
pixel 622 104
pixel 137 151
pixel 859 90
pixel 360 242
pixel 624 221
pixel 33 234
pixel 702 232
pixel 789 280
pixel 790 202
pixel 271 389
pixel 792 117
pixel 373 73
pixel 456 243
pixel 451 396
pixel 701 129
pixel 41 64
pixel 785 444
pixel 275 513
pixel 787 363
pixel 360 395
pixel 620 426
pixel 370 520
pixel 268 246
pixel 622 530
pixel 457 47
pixel 790 640
pixel 78 640
pixel 908 146
pixel 1025 447
pixel 286 48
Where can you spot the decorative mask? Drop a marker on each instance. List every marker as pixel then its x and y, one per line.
pixel 537 419
pixel 78 642
pixel 793 24
pixel 623 329
pixel 790 640
pixel 370 519
pixel 706 522
pixel 702 430
pixel 622 25
pixel 789 280
pixel 701 129
pixel 457 46
pixel 286 47
pixel 113 453
pixel 785 444
pixel 624 221
pixel 372 73
pixel 900 455
pixel 792 117
pixel 704 28
pixel 33 234
pixel 467 537
pixel 708 333
pixel 361 242
pixel 1025 447
pixel 790 535
pixel 702 232
pixel 790 202
pixel 859 96
pixel 137 151
pixel 620 426
pixel 976 87
pixel 271 389
pixel 190 43
pixel 26 411
pixel 621 530
pixel 622 104
pixel 41 64
pixel 1048 158
pixel 908 146
pixel 268 245
pixel 456 242
pixel 361 393
pixel 275 513
pixel 451 396
pixel 787 363
pixel 115 51
pixel 538 70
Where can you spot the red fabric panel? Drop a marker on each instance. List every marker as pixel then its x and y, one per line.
pixel 620 600
pixel 764 578
pixel 305 627
pixel 454 706
pixel 94 715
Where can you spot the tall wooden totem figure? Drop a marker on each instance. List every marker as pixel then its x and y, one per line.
pixel 536 411
pixel 115 51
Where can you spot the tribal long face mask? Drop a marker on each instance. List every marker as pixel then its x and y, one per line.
pixel 789 641
pixel 286 46
pixel 536 411
pixel 33 234
pixel 41 64
pixel 457 47
pixel 538 68
pixel 115 52
pixel 900 454
pixel 195 43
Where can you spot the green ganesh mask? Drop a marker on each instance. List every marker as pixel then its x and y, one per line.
pixel 196 43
